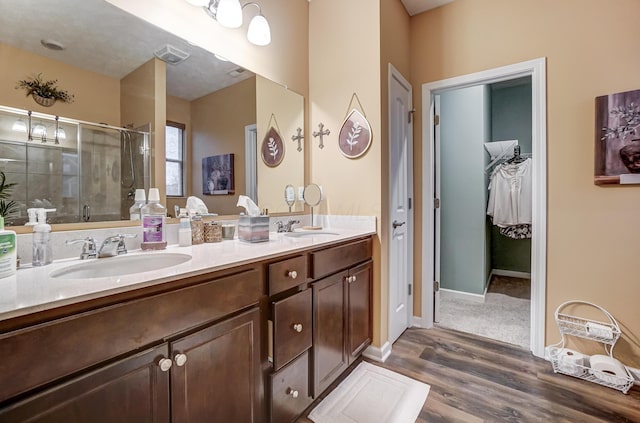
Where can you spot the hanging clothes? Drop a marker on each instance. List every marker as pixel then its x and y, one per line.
pixel 510 200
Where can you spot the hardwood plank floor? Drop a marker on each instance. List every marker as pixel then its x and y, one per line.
pixel 475 379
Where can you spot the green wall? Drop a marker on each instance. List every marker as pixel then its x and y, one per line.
pixel 511 119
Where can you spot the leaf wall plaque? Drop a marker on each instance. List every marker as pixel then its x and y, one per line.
pixel 355 135
pixel 272 148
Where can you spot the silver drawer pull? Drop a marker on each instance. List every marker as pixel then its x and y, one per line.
pixel 294 393
pixel 292 274
pixel 181 359
pixel 297 327
pixel 165 364
pixel 354 277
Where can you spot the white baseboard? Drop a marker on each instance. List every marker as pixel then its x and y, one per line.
pixel 378 354
pixel 416 322
pixel 510 273
pixel 450 293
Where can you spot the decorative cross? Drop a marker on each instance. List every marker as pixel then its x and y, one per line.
pixel 321 134
pixel 298 138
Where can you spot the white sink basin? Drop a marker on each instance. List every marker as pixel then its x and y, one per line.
pixel 299 234
pixel 121 265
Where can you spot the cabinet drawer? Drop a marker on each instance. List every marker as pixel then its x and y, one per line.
pixel 286 274
pixel 86 339
pixel 291 327
pixel 290 390
pixel 334 259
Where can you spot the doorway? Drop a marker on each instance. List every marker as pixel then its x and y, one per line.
pixel 535 69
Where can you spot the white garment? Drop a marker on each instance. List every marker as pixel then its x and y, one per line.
pixel 510 201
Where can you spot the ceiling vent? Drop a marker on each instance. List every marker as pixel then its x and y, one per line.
pixel 171 54
pixel 237 72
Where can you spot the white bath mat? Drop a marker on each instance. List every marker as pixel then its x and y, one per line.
pixel 372 394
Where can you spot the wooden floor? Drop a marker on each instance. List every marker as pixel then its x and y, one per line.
pixel 475 379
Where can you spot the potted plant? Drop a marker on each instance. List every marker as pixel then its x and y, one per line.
pixel 6 206
pixel 45 93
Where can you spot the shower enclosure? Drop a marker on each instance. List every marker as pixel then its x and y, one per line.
pixel 86 171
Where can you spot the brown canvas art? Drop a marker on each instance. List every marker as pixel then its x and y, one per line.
pixel 617 138
pixel 272 148
pixel 355 135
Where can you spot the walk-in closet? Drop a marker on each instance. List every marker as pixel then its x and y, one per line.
pixel 483 181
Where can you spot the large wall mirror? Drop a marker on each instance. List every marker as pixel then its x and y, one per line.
pixel 122 73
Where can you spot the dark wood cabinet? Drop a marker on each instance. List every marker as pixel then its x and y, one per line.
pixel 292 327
pixel 290 391
pixel 359 312
pixel 329 334
pixel 132 390
pixel 216 372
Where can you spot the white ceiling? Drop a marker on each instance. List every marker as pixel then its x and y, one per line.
pixel 104 39
pixel 418 6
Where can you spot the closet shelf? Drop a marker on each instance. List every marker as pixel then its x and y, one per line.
pixel 606 333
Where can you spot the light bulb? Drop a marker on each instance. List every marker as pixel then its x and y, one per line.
pixel 19 126
pixel 198 2
pixel 229 13
pixel 259 32
pixel 39 130
pixel 61 134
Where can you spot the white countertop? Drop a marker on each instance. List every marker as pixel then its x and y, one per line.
pixel 32 289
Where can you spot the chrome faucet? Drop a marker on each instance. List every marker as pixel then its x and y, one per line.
pixel 114 245
pixel 286 227
pixel 89 249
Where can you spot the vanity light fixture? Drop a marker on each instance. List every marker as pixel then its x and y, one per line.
pixel 228 13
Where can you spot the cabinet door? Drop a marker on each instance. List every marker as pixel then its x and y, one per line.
pixel 133 390
pixel 359 306
pixel 329 330
pixel 220 380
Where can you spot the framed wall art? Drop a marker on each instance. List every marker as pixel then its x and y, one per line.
pixel 617 152
pixel 217 175
pixel 355 137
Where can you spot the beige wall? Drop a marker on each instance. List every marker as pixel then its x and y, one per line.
pixel 589 45
pixel 218 122
pixel 143 100
pixel 283 61
pixel 287 109
pixel 345 58
pixel 86 86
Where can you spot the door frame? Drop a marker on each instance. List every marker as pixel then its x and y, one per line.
pixel 395 74
pixel 535 68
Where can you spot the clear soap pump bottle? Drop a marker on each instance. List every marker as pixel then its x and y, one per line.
pixel 42 252
pixel 140 201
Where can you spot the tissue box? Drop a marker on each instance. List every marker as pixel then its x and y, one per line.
pixel 253 228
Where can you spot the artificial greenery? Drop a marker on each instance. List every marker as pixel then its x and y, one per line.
pixel 6 207
pixel 47 89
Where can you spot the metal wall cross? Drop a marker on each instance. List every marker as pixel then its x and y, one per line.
pixel 321 134
pixel 298 138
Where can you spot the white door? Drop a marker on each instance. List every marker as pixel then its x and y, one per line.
pixel 251 161
pixel 401 215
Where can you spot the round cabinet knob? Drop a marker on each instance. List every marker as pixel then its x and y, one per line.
pixel 354 278
pixel 165 364
pixel 292 274
pixel 294 393
pixel 297 327
pixel 181 359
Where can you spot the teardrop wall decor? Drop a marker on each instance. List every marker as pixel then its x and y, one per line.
pixel 272 148
pixel 355 135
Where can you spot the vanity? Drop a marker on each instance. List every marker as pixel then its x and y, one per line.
pixel 240 333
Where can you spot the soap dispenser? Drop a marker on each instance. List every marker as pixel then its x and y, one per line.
pixel 42 252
